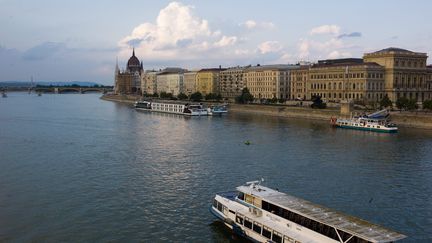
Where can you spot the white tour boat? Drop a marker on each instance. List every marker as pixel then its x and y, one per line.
pixel 376 122
pixel 173 108
pixel 262 214
pixel 217 110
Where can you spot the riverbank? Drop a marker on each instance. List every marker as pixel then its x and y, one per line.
pixel 404 119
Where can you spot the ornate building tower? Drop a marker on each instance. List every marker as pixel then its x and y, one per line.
pixel 129 81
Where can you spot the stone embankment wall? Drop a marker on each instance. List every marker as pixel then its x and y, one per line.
pixel 405 119
pixel 129 99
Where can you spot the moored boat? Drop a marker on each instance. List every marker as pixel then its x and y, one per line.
pixel 217 110
pixel 262 214
pixel 376 122
pixel 173 108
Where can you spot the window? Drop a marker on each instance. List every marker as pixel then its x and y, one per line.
pixel 257 227
pixel 266 232
pixel 277 237
pixel 247 223
pixel 219 206
pixel 239 219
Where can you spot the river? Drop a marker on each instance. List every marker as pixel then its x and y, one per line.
pixel 79 169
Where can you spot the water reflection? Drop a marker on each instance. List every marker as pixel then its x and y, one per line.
pixel 92 170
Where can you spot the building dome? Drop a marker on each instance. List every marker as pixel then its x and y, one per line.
pixel 133 63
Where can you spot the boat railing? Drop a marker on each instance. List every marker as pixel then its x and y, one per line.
pixel 228 194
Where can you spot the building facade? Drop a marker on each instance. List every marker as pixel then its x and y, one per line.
pixel 189 82
pixel 232 82
pixel 207 80
pixel 269 81
pixel 340 79
pixel 148 83
pixel 406 73
pixel 129 80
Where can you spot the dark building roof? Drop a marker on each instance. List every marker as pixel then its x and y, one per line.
pixel 133 63
pixel 370 64
pixel 393 49
pixel 211 69
pixel 341 60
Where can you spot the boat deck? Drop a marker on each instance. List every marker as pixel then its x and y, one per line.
pixel 341 221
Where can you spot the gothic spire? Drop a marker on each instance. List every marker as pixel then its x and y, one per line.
pixel 133 52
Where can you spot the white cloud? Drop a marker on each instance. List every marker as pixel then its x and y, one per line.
pixel 325 29
pixel 338 54
pixel 252 24
pixel 269 46
pixel 177 33
pixel 226 41
pixel 332 48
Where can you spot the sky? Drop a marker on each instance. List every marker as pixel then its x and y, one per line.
pixel 63 40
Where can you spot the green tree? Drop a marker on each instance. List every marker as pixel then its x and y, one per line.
pixel 218 97
pixel 412 105
pixel 245 97
pixel 182 96
pixel 197 96
pixel 165 95
pixel 209 96
pixel 427 105
pixel 386 102
pixel 318 103
pixel 401 103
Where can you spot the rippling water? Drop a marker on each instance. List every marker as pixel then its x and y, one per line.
pixel 76 168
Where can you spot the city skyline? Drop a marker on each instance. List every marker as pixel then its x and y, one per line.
pixel 64 45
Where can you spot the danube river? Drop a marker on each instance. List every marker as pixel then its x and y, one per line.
pixel 79 169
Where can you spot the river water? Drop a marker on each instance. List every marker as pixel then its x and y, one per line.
pixel 79 169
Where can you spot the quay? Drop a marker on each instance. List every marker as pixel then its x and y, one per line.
pixel 405 119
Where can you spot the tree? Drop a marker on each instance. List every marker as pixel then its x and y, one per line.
pixel 197 96
pixel 245 97
pixel 386 102
pixel 210 96
pixel 412 105
pixel 401 103
pixel 165 95
pixel 427 105
pixel 218 97
pixel 182 96
pixel 318 103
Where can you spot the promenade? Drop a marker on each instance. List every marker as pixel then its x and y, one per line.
pixel 402 119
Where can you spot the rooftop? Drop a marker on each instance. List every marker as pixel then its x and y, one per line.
pixel 340 221
pixel 395 50
pixel 273 67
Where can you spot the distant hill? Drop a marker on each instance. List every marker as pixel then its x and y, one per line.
pixel 45 83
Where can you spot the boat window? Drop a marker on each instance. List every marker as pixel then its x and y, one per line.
pixel 257 227
pixel 215 203
pixel 287 239
pixel 219 206
pixel 231 211
pixel 277 237
pixel 240 196
pixel 266 232
pixel 239 219
pixel 248 223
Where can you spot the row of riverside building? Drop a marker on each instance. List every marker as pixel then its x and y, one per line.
pixel 393 71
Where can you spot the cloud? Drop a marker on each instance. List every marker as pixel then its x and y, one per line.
pixel 332 48
pixel 252 24
pixel 226 41
pixel 177 33
pixel 350 35
pixel 269 46
pixel 43 51
pixel 325 29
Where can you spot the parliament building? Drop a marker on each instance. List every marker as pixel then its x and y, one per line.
pixel 128 81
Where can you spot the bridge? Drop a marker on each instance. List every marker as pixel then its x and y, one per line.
pixel 70 89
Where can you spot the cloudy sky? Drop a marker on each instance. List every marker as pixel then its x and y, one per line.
pixel 62 40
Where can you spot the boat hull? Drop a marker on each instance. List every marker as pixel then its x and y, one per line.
pixel 370 129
